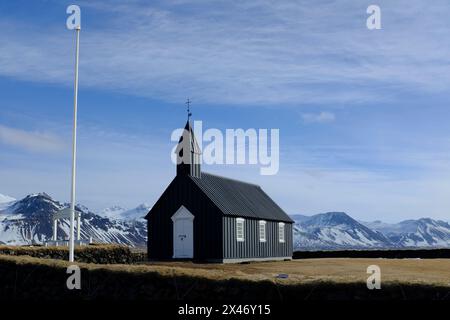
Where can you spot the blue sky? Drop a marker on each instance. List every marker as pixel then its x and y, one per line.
pixel 363 115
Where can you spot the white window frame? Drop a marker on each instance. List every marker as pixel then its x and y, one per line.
pixel 281 232
pixel 240 221
pixel 262 223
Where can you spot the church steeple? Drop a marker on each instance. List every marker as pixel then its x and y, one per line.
pixel 188 152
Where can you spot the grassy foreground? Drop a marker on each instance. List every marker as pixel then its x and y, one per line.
pixel 30 278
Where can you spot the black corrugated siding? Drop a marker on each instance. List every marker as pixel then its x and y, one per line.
pixel 252 247
pixel 207 221
pixel 214 233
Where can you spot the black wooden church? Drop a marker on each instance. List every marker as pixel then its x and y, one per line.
pixel 201 216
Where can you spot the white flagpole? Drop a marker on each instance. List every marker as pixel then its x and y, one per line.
pixel 74 150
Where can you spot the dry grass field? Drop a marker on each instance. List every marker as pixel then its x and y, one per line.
pixel 349 270
pixel 416 271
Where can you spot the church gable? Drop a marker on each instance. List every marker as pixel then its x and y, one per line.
pixel 182 191
pixel 182 213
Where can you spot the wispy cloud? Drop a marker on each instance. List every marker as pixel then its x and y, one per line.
pixel 112 168
pixel 321 117
pixel 31 140
pixel 318 55
pixel 243 52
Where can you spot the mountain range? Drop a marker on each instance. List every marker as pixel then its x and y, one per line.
pixel 337 230
pixel 29 220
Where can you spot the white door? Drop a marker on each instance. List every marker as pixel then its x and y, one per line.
pixel 183 234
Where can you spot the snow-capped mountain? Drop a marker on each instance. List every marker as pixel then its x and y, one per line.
pixel 30 221
pixel 423 232
pixel 5 201
pixel 120 213
pixel 113 212
pixel 335 230
pixel 5 198
pixel 137 213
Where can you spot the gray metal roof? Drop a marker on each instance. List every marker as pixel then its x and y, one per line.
pixel 241 199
